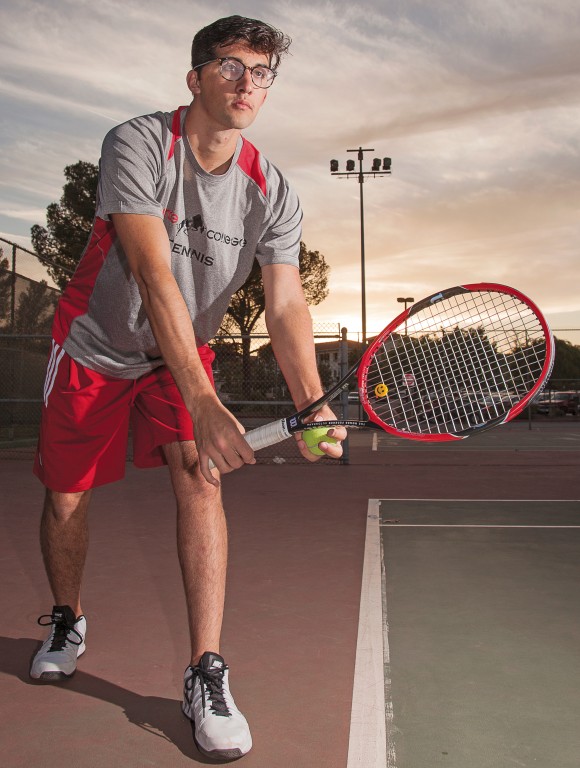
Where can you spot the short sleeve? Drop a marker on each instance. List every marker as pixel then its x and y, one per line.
pixel 280 243
pixel 131 165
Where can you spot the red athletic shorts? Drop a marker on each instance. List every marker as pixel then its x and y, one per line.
pixel 86 418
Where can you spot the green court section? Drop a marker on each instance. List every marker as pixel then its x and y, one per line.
pixel 482 623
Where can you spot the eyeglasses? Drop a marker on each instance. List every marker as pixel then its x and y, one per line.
pixel 234 69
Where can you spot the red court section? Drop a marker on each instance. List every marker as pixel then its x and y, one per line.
pixel 296 552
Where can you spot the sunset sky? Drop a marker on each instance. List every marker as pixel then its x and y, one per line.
pixel 477 102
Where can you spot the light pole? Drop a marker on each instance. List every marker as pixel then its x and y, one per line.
pixel 379 168
pixel 405 301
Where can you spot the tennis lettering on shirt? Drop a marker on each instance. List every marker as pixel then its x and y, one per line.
pixel 196 224
pixel 191 253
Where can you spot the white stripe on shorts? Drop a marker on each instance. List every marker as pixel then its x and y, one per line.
pixel 52 369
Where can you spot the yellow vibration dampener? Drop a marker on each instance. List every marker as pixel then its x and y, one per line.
pixel 381 390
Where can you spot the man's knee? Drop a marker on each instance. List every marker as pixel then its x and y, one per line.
pixel 181 456
pixel 183 461
pixel 64 506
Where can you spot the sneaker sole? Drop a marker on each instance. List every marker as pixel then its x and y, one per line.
pixel 55 676
pixel 51 677
pixel 219 755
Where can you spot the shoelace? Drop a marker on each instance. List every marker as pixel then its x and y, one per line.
pixel 61 631
pixel 213 679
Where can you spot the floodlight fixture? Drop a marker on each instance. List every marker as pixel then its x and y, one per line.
pixel 379 168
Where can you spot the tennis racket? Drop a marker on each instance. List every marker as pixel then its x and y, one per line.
pixel 454 364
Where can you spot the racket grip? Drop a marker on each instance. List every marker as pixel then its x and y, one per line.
pixel 268 434
pixel 262 437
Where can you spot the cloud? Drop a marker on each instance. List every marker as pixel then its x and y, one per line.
pixel 23 213
pixel 477 103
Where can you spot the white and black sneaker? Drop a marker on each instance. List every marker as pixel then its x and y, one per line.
pixel 219 729
pixel 57 658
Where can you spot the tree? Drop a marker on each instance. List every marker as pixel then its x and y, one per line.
pixel 248 303
pixel 35 309
pixel 326 377
pixel 5 288
pixel 68 223
pixel 566 365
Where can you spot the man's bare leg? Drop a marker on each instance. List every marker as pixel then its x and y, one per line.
pixel 202 547
pixel 64 539
pixel 64 542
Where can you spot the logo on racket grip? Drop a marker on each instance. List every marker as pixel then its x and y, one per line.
pixel 293 422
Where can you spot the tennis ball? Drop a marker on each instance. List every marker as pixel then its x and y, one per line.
pixel 314 436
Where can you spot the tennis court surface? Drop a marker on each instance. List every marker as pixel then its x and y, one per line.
pixel 463 651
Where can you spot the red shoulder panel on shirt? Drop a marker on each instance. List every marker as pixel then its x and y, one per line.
pixel 249 162
pixel 175 131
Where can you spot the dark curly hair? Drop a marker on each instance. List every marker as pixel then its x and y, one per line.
pixel 257 35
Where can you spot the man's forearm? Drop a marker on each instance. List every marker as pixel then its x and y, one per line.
pixel 293 344
pixel 146 246
pixel 174 333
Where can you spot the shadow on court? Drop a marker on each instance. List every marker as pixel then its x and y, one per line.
pixel 289 632
pixel 158 716
pixel 297 538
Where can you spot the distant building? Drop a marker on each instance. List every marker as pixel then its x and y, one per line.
pixel 328 354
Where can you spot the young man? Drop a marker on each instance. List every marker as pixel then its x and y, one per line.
pixel 184 206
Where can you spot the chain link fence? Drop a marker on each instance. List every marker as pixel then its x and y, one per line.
pixel 253 389
pixel 248 379
pixel 249 383
pixel 26 310
pixel 27 296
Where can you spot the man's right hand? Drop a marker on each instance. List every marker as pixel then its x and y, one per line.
pixel 219 437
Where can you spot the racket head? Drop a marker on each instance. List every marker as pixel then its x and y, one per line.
pixel 456 363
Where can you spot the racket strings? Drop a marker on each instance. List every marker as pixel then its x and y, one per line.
pixel 456 364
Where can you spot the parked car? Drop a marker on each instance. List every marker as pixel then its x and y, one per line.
pixel 559 403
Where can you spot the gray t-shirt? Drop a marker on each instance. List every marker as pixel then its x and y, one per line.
pixel 216 226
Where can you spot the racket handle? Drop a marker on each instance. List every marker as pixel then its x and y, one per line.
pixel 262 437
pixel 268 434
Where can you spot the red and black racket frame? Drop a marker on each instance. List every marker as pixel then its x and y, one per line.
pixel 296 423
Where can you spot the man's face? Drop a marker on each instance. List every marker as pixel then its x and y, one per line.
pixel 228 104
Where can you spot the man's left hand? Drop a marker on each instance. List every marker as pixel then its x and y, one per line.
pixel 332 450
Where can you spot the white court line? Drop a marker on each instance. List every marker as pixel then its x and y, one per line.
pixel 372 712
pixel 375 445
pixel 489 501
pixel 389 722
pixel 468 525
